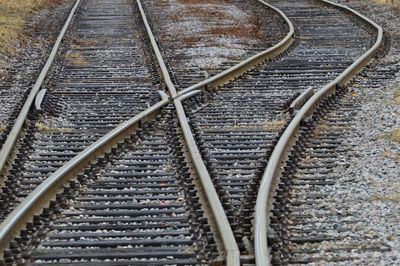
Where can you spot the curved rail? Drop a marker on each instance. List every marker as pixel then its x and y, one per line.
pixel 47 190
pixel 229 242
pixel 289 136
pixel 224 229
pixel 249 63
pixel 19 122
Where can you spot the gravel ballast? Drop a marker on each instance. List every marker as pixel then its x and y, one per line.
pixel 369 187
pixel 21 70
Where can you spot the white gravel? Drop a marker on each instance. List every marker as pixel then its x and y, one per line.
pixel 373 193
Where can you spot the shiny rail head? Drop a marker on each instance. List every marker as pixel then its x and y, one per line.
pixel 231 248
pixel 232 253
pixel 279 152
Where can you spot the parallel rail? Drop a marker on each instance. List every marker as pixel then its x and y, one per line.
pixel 225 231
pixel 289 135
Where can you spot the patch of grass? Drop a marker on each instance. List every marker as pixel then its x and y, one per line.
pixel 391 197
pixel 76 59
pixel 325 127
pixel 306 38
pixel 274 125
pixel 397 97
pixel 395 4
pixel 13 16
pixel 42 127
pixel 84 42
pixel 392 155
pixel 395 135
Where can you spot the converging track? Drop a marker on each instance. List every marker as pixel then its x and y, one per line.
pixel 107 170
pixel 238 126
pixel 312 220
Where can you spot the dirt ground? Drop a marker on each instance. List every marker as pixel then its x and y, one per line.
pixel 14 16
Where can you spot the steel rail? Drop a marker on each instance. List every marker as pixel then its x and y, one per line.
pixel 160 60
pixel 288 137
pixel 46 191
pixel 20 121
pixel 224 229
pixel 249 63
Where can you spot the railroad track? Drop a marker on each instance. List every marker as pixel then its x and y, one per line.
pixel 133 176
pixel 238 126
pixel 302 128
pixel 310 221
pixel 134 207
pixel 307 225
pixel 98 82
pixel 19 76
pixel 102 78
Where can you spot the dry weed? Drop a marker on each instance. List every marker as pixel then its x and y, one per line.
pixel 236 31
pixel 76 59
pixel 392 155
pixel 42 127
pixel 390 197
pixel 274 125
pixel 325 127
pixel 200 2
pixel 84 42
